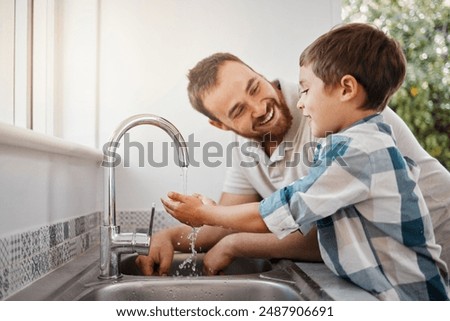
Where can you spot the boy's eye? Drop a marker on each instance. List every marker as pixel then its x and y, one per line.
pixel 303 92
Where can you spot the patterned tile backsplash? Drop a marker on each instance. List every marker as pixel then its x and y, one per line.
pixel 138 221
pixel 28 256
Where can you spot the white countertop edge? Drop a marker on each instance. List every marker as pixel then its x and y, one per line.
pixel 26 138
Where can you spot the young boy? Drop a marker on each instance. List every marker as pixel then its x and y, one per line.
pixel 373 225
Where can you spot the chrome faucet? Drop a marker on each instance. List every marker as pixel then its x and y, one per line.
pixel 113 243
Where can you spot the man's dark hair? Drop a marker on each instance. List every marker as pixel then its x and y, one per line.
pixel 203 77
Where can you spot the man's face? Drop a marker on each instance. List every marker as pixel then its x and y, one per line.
pixel 246 103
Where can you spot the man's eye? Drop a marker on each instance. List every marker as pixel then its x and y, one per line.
pixel 237 112
pixel 254 90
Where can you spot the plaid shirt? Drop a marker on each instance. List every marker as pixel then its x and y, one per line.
pixel 373 224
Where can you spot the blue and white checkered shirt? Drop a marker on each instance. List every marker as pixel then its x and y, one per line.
pixel 373 224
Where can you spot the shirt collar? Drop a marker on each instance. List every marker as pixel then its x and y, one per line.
pixel 374 118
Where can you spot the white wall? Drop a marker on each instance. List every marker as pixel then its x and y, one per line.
pixel 109 59
pixel 146 49
pixel 45 180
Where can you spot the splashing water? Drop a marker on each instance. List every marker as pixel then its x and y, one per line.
pixel 191 261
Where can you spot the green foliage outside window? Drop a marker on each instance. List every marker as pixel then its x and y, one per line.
pixel 422 28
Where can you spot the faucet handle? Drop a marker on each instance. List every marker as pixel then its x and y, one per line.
pixel 152 216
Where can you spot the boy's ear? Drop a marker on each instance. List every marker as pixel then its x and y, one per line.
pixel 349 87
pixel 218 124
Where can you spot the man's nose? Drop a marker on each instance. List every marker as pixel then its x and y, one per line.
pixel 258 109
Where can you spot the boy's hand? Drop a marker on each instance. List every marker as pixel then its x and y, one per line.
pixel 187 209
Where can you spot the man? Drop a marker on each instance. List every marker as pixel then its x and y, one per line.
pixel 234 97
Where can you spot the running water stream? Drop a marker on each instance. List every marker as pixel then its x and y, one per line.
pixel 191 261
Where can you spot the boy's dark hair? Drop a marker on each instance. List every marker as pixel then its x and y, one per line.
pixel 375 60
pixel 203 77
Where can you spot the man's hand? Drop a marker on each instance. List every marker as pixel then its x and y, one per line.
pixel 165 242
pixel 205 200
pixel 219 257
pixel 295 246
pixel 160 255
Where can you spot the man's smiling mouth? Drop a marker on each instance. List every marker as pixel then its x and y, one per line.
pixel 268 117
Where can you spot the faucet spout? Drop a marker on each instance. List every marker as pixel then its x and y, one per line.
pixel 114 243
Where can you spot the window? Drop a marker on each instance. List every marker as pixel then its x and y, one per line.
pixel 26 54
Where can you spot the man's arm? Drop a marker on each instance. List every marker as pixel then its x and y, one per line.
pixel 236 199
pixel 165 242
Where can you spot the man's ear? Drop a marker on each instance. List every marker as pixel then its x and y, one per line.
pixel 349 87
pixel 218 124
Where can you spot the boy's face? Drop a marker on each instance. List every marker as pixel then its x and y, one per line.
pixel 321 105
pixel 245 102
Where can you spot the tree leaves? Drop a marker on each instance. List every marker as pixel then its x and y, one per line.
pixel 422 28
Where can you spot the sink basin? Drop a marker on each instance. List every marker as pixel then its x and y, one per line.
pixel 245 279
pixel 193 289
pixel 184 265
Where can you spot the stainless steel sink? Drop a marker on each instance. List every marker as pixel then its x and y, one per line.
pixel 245 279
pixel 188 289
pixel 184 264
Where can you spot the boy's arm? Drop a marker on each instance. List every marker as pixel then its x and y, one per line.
pixel 192 211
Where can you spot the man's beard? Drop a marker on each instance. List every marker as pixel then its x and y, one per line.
pixel 278 131
pixel 281 127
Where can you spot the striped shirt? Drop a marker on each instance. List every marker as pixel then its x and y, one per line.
pixel 373 225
